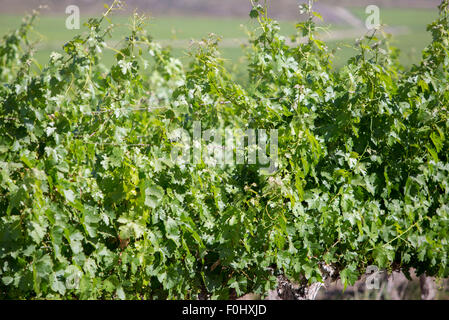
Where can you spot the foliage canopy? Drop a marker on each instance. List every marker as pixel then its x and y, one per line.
pixel 92 205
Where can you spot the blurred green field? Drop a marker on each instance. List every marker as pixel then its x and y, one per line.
pixel 416 20
pixel 180 29
pixel 54 34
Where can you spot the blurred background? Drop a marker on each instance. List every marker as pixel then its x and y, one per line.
pixel 176 22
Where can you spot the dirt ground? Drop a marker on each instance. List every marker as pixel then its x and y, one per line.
pixel 390 287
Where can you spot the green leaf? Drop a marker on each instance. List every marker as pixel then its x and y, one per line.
pixel 57 285
pixel 43 266
pixel 69 195
pixel 349 276
pixel 153 196
pixel 254 13
pixel 120 293
pixel 7 280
